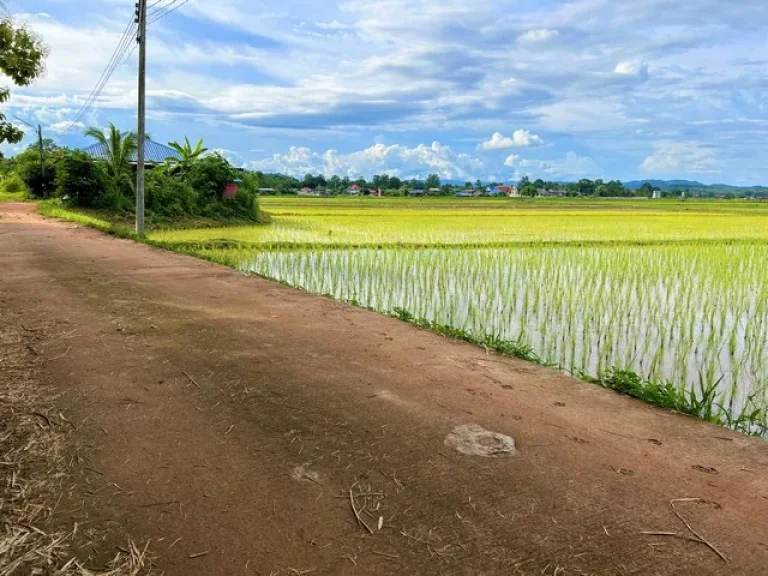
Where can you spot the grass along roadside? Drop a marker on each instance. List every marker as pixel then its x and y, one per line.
pixel 13 196
pixel 701 403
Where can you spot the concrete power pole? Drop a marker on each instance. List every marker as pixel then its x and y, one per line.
pixel 141 12
pixel 42 157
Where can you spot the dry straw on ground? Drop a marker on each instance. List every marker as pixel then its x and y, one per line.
pixel 33 467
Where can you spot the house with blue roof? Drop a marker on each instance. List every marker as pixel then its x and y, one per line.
pixel 154 152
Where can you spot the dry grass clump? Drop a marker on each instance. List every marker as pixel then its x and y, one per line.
pixel 33 466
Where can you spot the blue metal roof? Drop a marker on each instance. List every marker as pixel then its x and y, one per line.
pixel 154 152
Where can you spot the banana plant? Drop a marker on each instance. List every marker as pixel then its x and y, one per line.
pixel 187 155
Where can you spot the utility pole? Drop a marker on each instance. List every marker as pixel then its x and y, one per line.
pixel 141 15
pixel 42 158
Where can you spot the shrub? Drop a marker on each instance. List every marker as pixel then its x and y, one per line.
pixel 81 179
pixel 28 167
pixel 168 197
pixel 13 184
pixel 209 176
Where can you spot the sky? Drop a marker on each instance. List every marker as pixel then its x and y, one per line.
pixel 468 89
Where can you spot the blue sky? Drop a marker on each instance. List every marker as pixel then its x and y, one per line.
pixel 490 89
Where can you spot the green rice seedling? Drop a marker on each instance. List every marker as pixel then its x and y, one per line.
pixel 605 312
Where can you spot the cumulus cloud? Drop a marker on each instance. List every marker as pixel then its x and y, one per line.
pixel 673 157
pixel 395 159
pixel 520 139
pixel 512 160
pixel 537 35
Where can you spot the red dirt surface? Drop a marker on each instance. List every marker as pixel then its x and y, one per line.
pixel 226 419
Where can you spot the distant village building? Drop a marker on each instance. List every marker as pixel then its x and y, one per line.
pixel 466 193
pixel 503 190
pixel 656 194
pixel 306 191
pixel 354 190
pixel 417 192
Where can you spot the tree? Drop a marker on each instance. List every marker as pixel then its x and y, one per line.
pixel 27 164
pixel 586 187
pixel 119 149
pixel 48 146
pixel 646 189
pixel 187 154
pixel 21 59
pixel 80 178
pixel 433 181
pixel 528 190
pixel 210 176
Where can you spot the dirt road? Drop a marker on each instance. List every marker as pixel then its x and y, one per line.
pixel 228 419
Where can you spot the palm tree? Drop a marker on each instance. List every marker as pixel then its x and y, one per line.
pixel 119 149
pixel 187 154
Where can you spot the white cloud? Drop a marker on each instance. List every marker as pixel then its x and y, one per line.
pixel 520 139
pixel 673 157
pixel 512 160
pixel 631 68
pixel 396 160
pixel 583 115
pixel 233 157
pixel 537 35
pixel 333 25
pixel 571 166
pixel 66 126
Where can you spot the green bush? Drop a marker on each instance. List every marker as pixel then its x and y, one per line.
pixel 81 179
pixel 169 197
pixel 209 176
pixel 28 167
pixel 12 184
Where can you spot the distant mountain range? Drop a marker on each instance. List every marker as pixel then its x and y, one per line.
pixel 674 185
pixel 693 185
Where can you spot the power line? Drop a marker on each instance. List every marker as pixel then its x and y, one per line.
pixel 121 54
pixel 164 11
pixel 116 58
pixel 155 14
pixel 105 75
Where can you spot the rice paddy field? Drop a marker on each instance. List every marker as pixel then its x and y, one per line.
pixel 664 300
pixel 381 222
